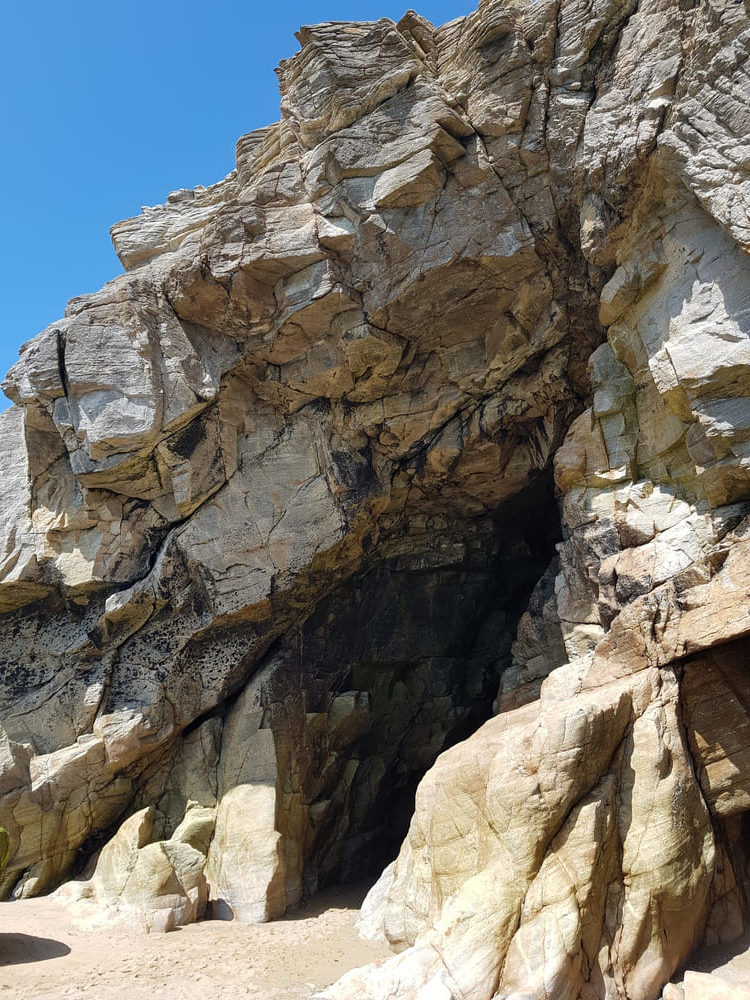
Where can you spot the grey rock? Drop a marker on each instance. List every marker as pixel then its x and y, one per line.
pixel 279 529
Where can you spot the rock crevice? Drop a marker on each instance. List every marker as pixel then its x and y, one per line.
pixel 284 586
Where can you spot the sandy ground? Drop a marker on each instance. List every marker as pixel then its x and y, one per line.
pixel 43 956
pixel 730 962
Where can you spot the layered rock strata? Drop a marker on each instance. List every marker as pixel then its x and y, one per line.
pixel 278 526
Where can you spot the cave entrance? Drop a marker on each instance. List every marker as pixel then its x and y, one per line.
pixel 399 663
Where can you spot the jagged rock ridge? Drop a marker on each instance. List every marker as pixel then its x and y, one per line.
pixel 277 499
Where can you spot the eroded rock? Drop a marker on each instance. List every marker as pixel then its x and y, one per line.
pixel 154 886
pixel 278 527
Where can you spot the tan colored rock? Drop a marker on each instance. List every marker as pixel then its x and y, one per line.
pixel 372 912
pixel 563 910
pixel 504 860
pixel 150 886
pixel 703 986
pixel 278 525
pixel 673 992
pixel 196 828
pixel 245 868
pixel 716 698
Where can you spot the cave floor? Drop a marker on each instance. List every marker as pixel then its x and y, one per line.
pixel 43 956
pixel 728 962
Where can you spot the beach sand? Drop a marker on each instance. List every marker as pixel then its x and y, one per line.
pixel 43 956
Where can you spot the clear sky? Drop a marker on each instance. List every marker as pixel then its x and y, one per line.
pixel 105 107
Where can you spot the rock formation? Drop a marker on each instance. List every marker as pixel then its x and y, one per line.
pixel 414 452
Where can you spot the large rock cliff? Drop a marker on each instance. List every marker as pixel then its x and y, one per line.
pixel 416 452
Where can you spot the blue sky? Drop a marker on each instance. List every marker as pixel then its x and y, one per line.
pixel 107 107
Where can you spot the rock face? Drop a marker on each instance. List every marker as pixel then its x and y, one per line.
pixel 157 886
pixel 280 531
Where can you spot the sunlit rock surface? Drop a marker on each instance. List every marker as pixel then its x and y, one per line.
pixel 416 452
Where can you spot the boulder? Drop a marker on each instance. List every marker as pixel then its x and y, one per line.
pixel 150 886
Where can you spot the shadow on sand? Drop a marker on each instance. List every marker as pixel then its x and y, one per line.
pixel 717 958
pixel 347 897
pixel 17 949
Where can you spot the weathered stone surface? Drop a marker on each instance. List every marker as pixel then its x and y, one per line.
pixel 703 986
pixel 153 886
pixel 4 849
pixel 716 700
pixel 279 530
pixel 555 831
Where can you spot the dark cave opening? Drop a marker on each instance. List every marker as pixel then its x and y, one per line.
pixel 397 664
pixel 394 667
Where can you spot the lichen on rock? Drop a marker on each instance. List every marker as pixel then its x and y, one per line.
pixel 395 500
